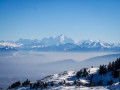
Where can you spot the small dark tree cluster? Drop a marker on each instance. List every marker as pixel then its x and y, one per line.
pixel 37 85
pixel 45 85
pixel 113 67
pixel 103 69
pixel 14 85
pixel 82 73
pixel 78 75
pixel 52 84
pixel 62 82
pixel 27 82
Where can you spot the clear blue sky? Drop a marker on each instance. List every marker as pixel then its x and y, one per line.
pixel 78 19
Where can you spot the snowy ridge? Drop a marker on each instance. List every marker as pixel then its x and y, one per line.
pixel 58 77
pixel 61 43
pixel 68 80
pixel 69 76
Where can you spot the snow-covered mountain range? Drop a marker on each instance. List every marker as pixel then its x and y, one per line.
pixel 59 43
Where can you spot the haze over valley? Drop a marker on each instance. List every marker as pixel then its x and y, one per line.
pixel 20 65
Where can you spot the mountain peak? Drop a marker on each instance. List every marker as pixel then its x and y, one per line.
pixel 56 40
pixel 61 43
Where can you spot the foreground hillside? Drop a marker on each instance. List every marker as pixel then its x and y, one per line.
pixel 102 78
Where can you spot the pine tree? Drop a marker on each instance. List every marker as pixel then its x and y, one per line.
pixel 27 82
pixel 45 85
pixel 78 74
pixel 64 81
pixel 75 82
pixel 52 83
pixel 30 85
pixel 119 80
pixel 14 85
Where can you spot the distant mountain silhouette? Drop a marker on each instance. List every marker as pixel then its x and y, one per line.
pixel 60 43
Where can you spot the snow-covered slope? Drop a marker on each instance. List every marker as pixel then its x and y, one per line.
pixel 68 80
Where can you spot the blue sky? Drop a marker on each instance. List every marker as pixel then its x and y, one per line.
pixel 78 19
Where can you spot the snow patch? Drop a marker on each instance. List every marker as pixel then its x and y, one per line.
pixel 93 70
pixel 62 39
pixel 10 44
